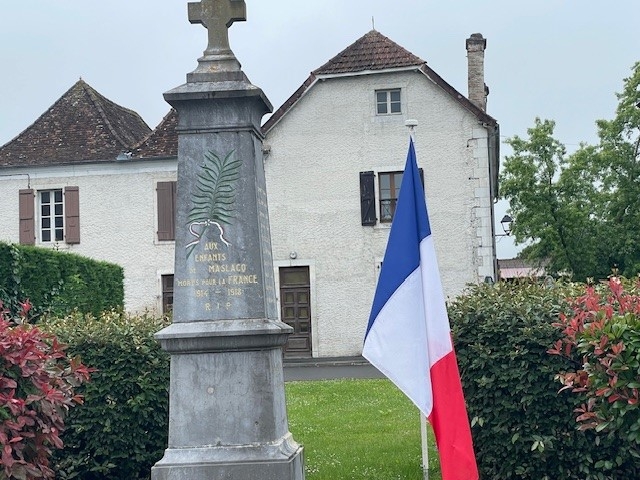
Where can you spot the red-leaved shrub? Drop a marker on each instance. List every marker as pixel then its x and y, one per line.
pixel 603 329
pixel 37 383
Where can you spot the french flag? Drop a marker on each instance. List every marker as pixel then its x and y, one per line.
pixel 408 336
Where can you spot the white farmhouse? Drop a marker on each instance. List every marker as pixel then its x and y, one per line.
pixel 68 184
pixel 89 177
pixel 335 152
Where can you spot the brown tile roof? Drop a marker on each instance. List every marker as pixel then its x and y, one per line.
pixel 373 51
pixel 82 126
pixel 162 142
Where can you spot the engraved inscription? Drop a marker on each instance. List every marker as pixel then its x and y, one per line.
pixel 218 277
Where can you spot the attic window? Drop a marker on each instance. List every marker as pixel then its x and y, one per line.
pixel 388 102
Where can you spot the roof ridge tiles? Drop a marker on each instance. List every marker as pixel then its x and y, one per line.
pixel 372 51
pixel 95 99
pixel 123 135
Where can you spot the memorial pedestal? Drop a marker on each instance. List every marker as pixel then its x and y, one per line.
pixel 227 410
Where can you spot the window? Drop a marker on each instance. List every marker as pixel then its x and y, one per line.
pixel 389 188
pixel 166 210
pixel 388 102
pixel 58 215
pixel 167 294
pixel 387 196
pixel 51 216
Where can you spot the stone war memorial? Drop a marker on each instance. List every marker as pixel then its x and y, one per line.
pixel 227 410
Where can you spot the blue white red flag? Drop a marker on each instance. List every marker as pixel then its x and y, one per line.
pixel 408 336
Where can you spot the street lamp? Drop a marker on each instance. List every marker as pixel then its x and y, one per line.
pixel 506 225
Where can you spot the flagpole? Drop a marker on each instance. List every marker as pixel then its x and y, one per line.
pixel 425 445
pixel 411 125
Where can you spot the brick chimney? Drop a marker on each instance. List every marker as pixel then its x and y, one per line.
pixel 478 91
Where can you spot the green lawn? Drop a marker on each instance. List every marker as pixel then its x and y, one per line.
pixel 357 429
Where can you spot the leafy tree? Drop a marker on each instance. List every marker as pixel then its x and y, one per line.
pixel 551 202
pixel 617 170
pixel 579 213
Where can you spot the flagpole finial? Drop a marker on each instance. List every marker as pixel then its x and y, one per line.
pixel 411 124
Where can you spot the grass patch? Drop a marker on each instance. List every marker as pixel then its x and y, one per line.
pixel 357 429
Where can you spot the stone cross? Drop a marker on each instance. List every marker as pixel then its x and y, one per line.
pixel 217 16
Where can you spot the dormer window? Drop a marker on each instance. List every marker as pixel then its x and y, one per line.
pixel 388 102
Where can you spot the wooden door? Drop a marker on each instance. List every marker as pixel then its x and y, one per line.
pixel 295 310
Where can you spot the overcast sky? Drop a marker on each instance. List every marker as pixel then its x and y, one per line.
pixel 557 59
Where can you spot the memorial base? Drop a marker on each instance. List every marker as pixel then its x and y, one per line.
pixel 227 414
pixel 274 462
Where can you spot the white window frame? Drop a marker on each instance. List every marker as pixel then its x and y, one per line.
pixel 388 102
pixel 51 217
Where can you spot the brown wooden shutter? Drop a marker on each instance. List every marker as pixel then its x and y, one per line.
pixel 367 199
pixel 166 210
pixel 27 217
pixel 72 215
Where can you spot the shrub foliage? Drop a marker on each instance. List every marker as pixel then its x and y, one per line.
pixel 58 282
pixel 121 430
pixel 603 329
pixel 37 382
pixel 522 426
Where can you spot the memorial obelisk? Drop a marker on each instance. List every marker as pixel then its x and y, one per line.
pixel 227 411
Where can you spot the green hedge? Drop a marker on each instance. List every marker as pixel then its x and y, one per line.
pixel 522 427
pixel 58 282
pixel 121 429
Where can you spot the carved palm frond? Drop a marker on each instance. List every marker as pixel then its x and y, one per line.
pixel 214 195
pixel 213 198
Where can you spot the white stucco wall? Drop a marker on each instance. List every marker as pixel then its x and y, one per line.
pixel 118 219
pixel 312 170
